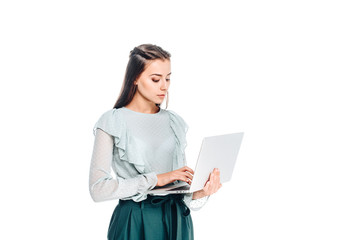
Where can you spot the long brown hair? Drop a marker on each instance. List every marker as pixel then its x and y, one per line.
pixel 138 58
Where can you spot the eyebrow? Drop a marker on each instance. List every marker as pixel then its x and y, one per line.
pixel 157 74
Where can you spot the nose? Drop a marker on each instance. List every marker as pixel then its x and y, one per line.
pixel 164 85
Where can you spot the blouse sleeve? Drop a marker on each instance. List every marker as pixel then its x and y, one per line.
pixel 102 185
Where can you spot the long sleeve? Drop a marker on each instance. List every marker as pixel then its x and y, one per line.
pixel 102 185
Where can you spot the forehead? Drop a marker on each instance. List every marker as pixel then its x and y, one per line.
pixel 159 66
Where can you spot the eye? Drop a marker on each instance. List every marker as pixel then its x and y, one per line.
pixel 155 80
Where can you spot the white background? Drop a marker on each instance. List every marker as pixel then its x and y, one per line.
pixel 284 72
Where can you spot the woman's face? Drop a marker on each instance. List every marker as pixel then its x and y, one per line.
pixel 154 82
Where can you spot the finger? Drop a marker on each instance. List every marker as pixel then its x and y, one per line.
pixel 184 174
pixel 181 177
pixel 211 176
pixel 188 180
pixel 215 183
pixel 217 177
pixel 206 186
pixel 186 168
pixel 211 182
pixel 188 175
pixel 217 174
pixel 185 177
pixel 192 174
pixel 212 188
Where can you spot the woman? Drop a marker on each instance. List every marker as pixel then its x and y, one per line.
pixel 145 145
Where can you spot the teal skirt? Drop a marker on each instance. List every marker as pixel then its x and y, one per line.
pixel 155 218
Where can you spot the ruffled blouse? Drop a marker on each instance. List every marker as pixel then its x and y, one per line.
pixel 136 147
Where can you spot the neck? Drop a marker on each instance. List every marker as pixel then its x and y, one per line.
pixel 142 105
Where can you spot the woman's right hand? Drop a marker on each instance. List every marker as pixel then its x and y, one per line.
pixel 183 174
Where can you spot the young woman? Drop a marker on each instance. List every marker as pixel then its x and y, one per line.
pixel 145 146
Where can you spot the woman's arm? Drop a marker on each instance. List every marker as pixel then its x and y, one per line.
pixel 102 185
pixel 198 194
pixel 196 200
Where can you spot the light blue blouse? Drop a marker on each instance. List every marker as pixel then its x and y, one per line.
pixel 136 146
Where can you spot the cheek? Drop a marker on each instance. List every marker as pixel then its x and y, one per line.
pixel 148 86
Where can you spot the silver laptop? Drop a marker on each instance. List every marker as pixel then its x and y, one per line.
pixel 216 152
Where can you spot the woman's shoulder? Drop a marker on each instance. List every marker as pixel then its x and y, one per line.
pixel 177 121
pixel 173 114
pixel 112 114
pixel 109 121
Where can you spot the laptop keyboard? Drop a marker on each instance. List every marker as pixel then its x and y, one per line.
pixel 181 188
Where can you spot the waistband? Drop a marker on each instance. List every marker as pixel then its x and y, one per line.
pixel 166 202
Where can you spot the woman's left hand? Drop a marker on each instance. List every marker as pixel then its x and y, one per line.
pixel 211 186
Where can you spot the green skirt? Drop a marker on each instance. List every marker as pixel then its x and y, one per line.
pixel 155 218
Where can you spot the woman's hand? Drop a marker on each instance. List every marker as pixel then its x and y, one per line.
pixel 211 186
pixel 183 174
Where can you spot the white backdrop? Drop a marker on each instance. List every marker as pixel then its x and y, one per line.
pixel 284 72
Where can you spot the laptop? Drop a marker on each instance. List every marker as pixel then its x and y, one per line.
pixel 220 152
